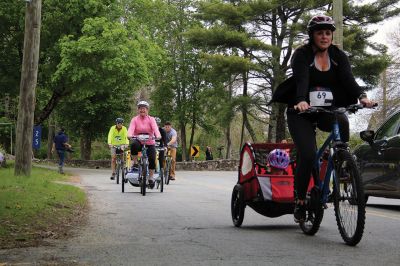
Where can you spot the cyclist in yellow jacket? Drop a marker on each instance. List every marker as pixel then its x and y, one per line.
pixel 117 136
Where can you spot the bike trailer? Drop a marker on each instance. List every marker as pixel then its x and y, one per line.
pixel 268 194
pixel 133 178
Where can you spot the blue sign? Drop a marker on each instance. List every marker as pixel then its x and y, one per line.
pixel 37 135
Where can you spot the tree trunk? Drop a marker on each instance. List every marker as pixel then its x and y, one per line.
pixel 51 104
pixel 50 136
pixel 86 144
pixel 26 105
pixel 272 124
pixel 182 128
pixel 192 133
pixel 228 141
pixel 280 123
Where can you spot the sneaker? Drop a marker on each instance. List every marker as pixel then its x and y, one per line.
pixel 112 176
pixel 172 178
pixel 151 183
pixel 299 213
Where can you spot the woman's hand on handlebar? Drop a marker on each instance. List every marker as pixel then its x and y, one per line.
pixel 302 106
pixel 367 102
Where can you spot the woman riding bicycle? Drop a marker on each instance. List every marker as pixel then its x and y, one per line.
pixel 144 124
pixel 323 77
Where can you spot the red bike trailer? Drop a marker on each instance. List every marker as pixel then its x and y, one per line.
pixel 269 195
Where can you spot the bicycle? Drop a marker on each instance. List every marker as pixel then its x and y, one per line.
pixel 272 195
pixel 143 164
pixel 120 162
pixel 336 168
pixel 168 163
pixel 160 179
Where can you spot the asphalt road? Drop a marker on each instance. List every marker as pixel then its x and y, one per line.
pixel 190 224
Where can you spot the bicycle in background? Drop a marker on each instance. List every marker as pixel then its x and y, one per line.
pixel 120 161
pixel 167 168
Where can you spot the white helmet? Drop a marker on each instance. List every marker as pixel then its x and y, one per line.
pixel 143 104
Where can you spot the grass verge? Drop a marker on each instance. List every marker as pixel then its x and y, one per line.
pixel 36 208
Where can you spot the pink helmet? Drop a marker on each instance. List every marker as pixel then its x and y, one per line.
pixel 278 158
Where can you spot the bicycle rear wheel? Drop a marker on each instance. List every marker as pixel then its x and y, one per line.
pixel 348 198
pixel 237 205
pixel 314 214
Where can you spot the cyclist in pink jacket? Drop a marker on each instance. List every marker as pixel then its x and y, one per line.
pixel 143 123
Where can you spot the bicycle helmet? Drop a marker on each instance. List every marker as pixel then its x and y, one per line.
pixel 119 120
pixel 320 22
pixel 143 104
pixel 278 158
pixel 158 120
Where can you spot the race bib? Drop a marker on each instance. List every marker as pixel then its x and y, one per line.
pixel 320 96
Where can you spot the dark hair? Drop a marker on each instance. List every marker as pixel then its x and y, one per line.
pixel 167 123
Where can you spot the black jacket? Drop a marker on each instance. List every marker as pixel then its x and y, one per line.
pixel 296 88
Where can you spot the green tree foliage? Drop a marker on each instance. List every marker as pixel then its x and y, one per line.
pixel 104 66
pixel 12 17
pixel 275 28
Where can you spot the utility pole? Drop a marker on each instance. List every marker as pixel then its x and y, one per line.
pixel 27 98
pixel 338 18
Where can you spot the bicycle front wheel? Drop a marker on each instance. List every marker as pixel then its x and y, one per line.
pixel 123 174
pixel 117 172
pixel 348 197
pixel 161 180
pixel 144 178
pixel 167 171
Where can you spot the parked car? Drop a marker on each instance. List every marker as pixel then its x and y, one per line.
pixel 379 159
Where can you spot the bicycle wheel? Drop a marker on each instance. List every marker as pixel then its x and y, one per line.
pixel 348 198
pixel 144 178
pixel 123 178
pixel 314 213
pixel 117 171
pixel 167 171
pixel 161 182
pixel 237 205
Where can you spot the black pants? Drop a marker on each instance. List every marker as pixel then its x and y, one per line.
pixel 136 146
pixel 302 128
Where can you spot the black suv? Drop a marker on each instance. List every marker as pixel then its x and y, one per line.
pixel 379 159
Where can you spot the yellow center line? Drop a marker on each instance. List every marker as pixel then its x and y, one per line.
pixel 380 214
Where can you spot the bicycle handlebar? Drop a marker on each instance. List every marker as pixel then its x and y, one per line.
pixel 142 137
pixel 122 146
pixel 353 108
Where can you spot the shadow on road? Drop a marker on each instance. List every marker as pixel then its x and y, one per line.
pixel 272 227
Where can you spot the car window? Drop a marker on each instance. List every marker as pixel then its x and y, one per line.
pixel 389 128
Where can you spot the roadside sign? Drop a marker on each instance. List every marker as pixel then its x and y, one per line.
pixel 37 135
pixel 195 151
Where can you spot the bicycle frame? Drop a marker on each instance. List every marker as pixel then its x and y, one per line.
pixel 334 136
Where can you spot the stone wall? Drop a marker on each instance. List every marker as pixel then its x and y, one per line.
pixel 215 165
